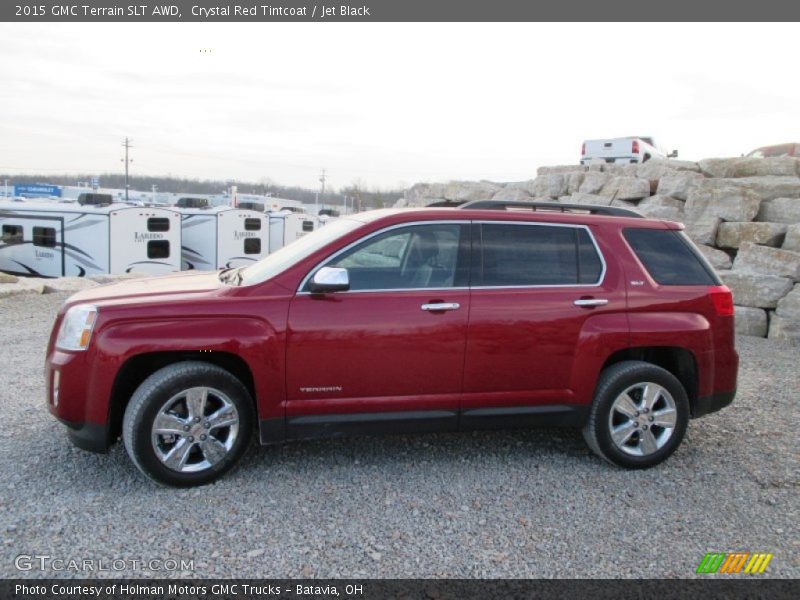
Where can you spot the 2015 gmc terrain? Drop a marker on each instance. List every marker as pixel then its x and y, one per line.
pixel 484 316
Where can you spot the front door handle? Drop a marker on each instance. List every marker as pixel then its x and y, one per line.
pixel 441 306
pixel 591 302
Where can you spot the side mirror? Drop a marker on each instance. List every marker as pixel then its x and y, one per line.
pixel 329 279
pixel 673 154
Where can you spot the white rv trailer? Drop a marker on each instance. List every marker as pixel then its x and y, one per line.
pixel 49 239
pixel 286 227
pixel 222 237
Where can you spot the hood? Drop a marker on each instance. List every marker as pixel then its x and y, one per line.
pixel 138 289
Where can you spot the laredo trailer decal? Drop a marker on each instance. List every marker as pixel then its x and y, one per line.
pixel 144 239
pixel 242 237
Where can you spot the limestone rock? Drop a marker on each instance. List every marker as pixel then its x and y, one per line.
pixel 423 194
pixel 596 164
pixel 750 321
pixel 720 260
pixel 526 186
pixel 623 170
pixel 574 182
pixel 661 207
pixel 68 284
pixel 626 188
pixel 792 240
pixel 470 190
pixel 552 185
pixel 731 235
pixel 703 229
pixel 780 210
pixel 655 169
pixel 679 184
pixel 24 285
pixel 767 188
pixel 561 169
pixel 6 278
pixel 781 328
pixel 769 261
pixel 728 202
pixel 750 167
pixel 593 182
pixel 582 198
pixel 752 289
pixel 512 194
pixel 789 305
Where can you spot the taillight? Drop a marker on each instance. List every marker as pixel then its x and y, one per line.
pixel 583 149
pixel 722 299
pixel 635 146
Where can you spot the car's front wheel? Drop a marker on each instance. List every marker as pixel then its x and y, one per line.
pixel 188 424
pixel 639 415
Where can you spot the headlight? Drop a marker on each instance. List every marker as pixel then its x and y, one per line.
pixel 76 328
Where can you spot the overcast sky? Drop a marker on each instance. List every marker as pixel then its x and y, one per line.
pixel 388 104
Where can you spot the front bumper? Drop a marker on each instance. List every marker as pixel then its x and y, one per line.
pixel 88 436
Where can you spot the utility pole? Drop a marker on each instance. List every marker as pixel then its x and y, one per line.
pixel 321 189
pixel 127 145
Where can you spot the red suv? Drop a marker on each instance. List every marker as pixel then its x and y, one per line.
pixel 488 315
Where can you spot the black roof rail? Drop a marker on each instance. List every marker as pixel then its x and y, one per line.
pixel 608 211
pixel 446 204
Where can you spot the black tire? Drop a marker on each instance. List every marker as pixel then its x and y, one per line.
pixel 613 382
pixel 157 390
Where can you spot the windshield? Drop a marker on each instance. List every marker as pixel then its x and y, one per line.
pixel 291 254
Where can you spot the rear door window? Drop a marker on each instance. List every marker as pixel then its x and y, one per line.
pixel 522 254
pixel 670 258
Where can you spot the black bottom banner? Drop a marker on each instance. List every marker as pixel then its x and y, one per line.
pixel 401 589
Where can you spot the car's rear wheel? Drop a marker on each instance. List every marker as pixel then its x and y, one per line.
pixel 188 424
pixel 639 415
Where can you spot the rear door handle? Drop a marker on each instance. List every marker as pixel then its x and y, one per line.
pixel 591 302
pixel 441 306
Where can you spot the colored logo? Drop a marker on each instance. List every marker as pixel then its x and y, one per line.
pixel 734 562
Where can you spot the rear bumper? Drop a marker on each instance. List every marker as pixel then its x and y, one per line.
pixel 709 404
pixel 88 436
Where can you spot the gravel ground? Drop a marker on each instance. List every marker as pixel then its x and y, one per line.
pixel 501 504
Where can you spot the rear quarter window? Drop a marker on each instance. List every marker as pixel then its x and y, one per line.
pixel 670 258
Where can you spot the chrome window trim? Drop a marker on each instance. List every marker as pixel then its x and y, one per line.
pixel 600 281
pixel 368 237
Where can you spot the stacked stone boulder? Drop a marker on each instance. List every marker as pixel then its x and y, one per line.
pixel 744 213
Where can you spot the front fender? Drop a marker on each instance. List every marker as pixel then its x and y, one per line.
pixel 253 340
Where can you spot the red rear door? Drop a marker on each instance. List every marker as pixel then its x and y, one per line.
pixel 534 287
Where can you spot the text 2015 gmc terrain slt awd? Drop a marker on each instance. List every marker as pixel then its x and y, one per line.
pixel 484 316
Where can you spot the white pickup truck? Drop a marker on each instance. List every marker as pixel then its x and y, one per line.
pixel 623 150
